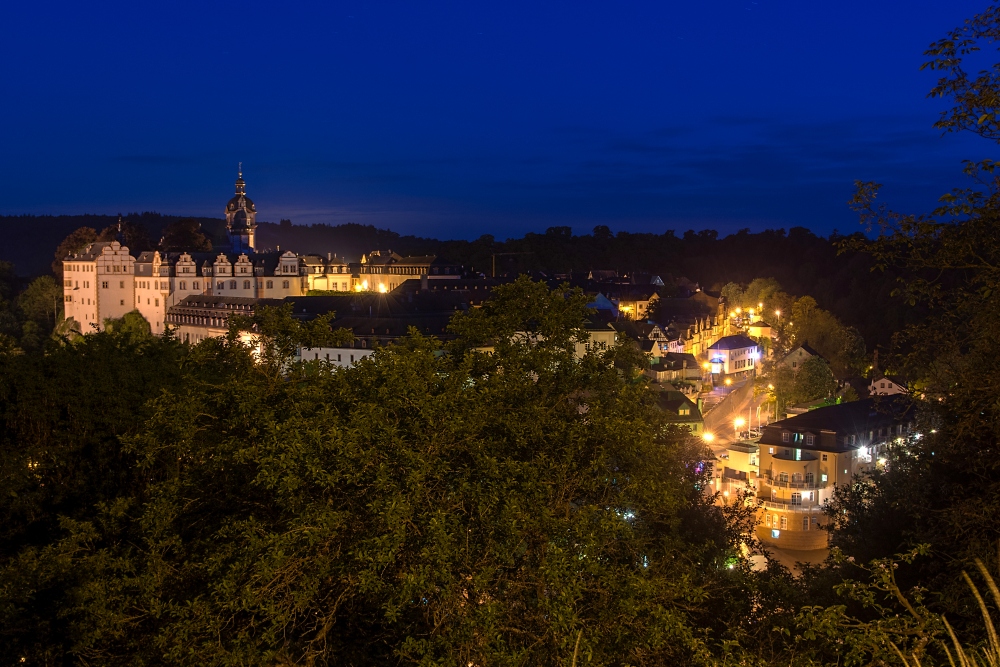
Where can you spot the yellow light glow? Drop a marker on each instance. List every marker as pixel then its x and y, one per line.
pixel 382 289
pixel 728 382
pixel 707 437
pixel 739 422
pixel 761 305
pixel 771 387
pixel 739 310
pixel 358 288
pixel 706 365
pixel 777 313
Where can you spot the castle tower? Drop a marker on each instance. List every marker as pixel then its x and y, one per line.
pixel 241 218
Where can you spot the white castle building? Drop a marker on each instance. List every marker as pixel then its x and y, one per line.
pixel 104 281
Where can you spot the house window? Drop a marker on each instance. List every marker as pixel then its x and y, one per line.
pixel 770 450
pixel 805 523
pixel 194 285
pixel 796 498
pixel 784 522
pixel 123 302
pixel 270 284
pixel 822 477
pixel 220 285
pixel 232 284
pixel 775 534
pixel 783 477
pixel 824 457
pixel 104 284
pixel 246 284
pixel 810 439
pixel 767 520
pixel 809 479
pixel 156 302
pixel 183 285
pixel 785 436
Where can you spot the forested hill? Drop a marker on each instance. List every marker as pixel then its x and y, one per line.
pixel 801 261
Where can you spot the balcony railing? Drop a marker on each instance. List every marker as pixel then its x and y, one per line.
pixel 808 486
pixel 789 507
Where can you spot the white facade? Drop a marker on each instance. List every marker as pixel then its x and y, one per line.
pixel 98 284
pixel 342 357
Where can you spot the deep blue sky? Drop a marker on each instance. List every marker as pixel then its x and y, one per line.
pixel 462 118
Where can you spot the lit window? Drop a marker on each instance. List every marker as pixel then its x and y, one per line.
pixel 784 522
pixel 785 436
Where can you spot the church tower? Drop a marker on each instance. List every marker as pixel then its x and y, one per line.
pixel 241 218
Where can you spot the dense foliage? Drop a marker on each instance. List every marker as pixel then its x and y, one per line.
pixel 168 504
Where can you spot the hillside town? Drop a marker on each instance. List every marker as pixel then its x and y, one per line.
pixel 712 363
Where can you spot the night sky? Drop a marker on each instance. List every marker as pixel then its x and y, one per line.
pixel 458 119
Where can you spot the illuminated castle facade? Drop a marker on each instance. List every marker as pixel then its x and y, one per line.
pixel 104 280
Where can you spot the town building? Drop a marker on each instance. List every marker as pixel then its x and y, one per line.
pixel 675 367
pixel 681 410
pixel 886 386
pixel 734 356
pixel 799 356
pixel 804 458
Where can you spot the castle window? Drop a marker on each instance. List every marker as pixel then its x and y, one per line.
pixel 104 284
pixel 270 284
pixel 284 284
pixel 220 285
pixel 246 284
pixel 232 284
pixel 194 285
pixel 183 285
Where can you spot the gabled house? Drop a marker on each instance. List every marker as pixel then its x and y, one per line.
pixel 886 386
pixel 799 356
pixel 681 410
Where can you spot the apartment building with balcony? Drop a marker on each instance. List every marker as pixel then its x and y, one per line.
pixel 804 458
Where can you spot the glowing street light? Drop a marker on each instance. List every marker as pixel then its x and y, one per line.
pixel 777 313
pixel 761 306
pixel 739 422
pixel 707 436
pixel 729 381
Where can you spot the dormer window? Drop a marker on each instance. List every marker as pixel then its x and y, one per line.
pixel 785 436
pixel 810 438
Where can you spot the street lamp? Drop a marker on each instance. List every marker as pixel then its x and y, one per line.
pixel 738 423
pixel 777 313
pixel 707 437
